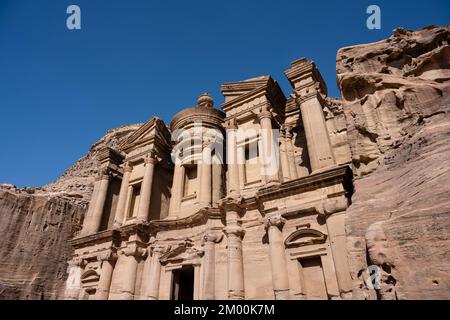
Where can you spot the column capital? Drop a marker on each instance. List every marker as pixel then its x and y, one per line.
pixel 103 174
pixel 109 255
pixel 158 249
pixel 264 112
pixel 127 167
pixel 274 221
pixel 78 262
pixel 235 231
pixel 213 237
pixel 134 250
pixel 232 204
pixel 231 124
pixel 151 158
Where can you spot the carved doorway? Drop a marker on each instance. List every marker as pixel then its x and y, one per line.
pixel 183 284
pixel 313 278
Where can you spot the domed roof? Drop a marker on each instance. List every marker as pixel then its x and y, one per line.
pixel 203 112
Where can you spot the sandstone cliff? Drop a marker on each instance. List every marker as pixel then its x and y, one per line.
pixel 36 224
pixel 396 97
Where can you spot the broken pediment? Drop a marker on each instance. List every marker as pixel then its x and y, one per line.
pixel 303 237
pixel 183 252
pixel 153 131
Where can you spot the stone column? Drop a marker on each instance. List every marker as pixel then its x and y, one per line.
pixel 235 234
pixel 210 239
pixel 93 222
pixel 88 215
pixel 291 154
pixel 280 280
pixel 284 157
pixel 236 290
pixel 310 90
pixel 317 137
pixel 107 267
pixel 152 290
pixel 128 258
pixel 205 177
pixel 146 190
pixel 232 161
pixel 270 162
pixel 217 191
pixel 241 167
pixel 122 202
pixel 177 188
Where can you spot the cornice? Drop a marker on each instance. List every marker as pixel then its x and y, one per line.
pixel 246 85
pixel 109 154
pixel 334 175
pixel 99 237
pixel 303 68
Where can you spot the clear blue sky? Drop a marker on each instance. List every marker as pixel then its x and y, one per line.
pixel 61 90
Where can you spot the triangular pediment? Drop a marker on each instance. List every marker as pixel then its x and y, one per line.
pixel 241 92
pixel 184 251
pixel 154 130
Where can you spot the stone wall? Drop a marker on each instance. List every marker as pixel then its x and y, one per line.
pixel 396 96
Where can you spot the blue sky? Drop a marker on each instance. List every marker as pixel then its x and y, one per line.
pixel 61 90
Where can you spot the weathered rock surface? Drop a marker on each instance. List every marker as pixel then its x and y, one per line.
pixel 36 224
pixel 396 96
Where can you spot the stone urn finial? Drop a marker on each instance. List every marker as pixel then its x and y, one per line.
pixel 205 101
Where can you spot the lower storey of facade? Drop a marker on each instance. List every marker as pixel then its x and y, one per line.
pixel 278 244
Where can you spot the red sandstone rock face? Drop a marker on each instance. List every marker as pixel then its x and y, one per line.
pixel 396 96
pixel 34 247
pixel 36 224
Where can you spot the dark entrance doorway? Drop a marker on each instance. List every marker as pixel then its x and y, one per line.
pixel 183 284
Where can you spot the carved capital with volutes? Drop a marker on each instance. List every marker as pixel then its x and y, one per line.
pixel 103 174
pixel 231 124
pixel 127 167
pixel 235 204
pixel 109 255
pixel 234 231
pixel 264 114
pixel 158 249
pixel 151 158
pixel 274 221
pixel 213 237
pixel 135 251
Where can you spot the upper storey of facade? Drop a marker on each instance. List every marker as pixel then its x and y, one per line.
pixel 260 139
